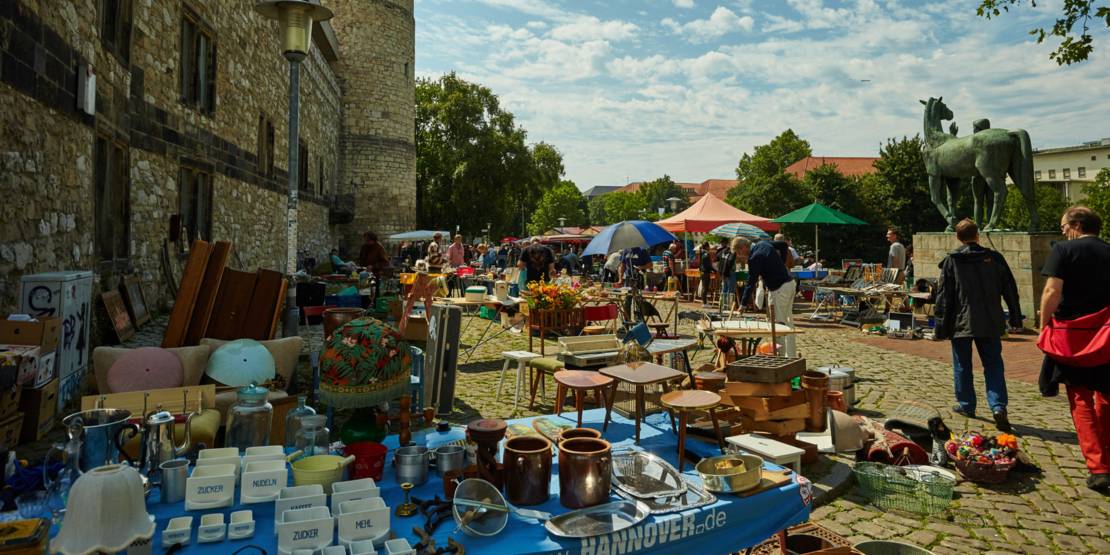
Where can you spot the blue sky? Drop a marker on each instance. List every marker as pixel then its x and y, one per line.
pixel 634 89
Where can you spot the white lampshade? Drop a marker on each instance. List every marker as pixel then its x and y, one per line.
pixel 106 512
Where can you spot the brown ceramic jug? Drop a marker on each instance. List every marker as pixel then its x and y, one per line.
pixel 334 318
pixel 579 432
pixel 816 386
pixel 585 464
pixel 527 474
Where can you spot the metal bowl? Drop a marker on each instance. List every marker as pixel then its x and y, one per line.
pixel 723 474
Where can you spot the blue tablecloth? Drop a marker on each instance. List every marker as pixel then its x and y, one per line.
pixel 730 524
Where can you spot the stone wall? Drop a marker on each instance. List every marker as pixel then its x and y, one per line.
pixel 46 145
pixel 1024 252
pixel 376 71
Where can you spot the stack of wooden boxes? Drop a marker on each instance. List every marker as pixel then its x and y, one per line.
pixel 28 382
pixel 758 388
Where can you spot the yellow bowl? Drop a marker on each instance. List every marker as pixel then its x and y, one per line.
pixel 320 469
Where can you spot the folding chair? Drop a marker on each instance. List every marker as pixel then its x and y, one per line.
pixel 608 313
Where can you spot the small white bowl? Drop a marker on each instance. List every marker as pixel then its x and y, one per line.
pixel 241 526
pixel 178 530
pixel 212 528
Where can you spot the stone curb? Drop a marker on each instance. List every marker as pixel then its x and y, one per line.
pixel 834 482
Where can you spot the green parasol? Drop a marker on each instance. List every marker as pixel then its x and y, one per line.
pixel 818 214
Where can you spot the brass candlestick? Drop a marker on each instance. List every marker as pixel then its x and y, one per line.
pixel 408 508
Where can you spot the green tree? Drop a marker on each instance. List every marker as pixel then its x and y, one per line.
pixel 472 159
pixel 621 206
pixel 764 189
pixel 1051 204
pixel 596 211
pixel 1098 199
pixel 898 193
pixel 826 185
pixel 561 201
pixel 655 194
pixel 1072 27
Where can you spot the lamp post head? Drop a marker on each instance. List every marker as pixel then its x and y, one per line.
pixel 296 18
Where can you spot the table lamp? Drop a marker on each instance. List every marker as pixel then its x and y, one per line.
pixel 105 512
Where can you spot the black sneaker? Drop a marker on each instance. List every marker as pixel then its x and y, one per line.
pixel 1002 422
pixel 959 409
pixel 1099 482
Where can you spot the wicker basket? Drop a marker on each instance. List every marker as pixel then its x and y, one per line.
pixel 983 473
pixel 892 488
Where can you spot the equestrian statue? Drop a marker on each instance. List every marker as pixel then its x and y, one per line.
pixel 985 158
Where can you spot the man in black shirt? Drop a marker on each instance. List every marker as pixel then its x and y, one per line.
pixel 537 261
pixel 766 262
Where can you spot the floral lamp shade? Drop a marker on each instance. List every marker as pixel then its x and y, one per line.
pixel 365 363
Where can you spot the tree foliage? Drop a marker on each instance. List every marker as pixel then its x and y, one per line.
pixel 1051 204
pixel 620 206
pixel 1098 199
pixel 826 185
pixel 561 201
pixel 763 188
pixel 1072 27
pixel 473 165
pixel 899 190
pixel 656 192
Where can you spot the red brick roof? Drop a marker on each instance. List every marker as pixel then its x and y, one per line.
pixel 848 165
pixel 717 187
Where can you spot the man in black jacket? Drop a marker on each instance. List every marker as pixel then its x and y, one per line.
pixel 974 280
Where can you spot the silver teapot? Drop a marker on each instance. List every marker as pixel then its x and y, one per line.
pixel 159 444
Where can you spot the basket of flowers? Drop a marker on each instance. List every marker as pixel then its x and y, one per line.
pixel 983 459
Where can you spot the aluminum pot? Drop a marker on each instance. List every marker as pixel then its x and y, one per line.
pixel 585 471
pixel 101 430
pixel 449 458
pixel 411 464
pixel 527 473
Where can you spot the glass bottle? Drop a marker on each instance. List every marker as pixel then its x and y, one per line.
pixel 312 437
pixel 293 420
pixel 248 421
pixel 57 489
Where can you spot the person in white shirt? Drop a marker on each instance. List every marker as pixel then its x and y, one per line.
pixel 896 258
pixel 612 268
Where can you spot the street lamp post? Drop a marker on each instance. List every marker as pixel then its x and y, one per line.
pixel 673 203
pixel 295 18
pixel 562 224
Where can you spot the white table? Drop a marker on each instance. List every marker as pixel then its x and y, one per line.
pixel 771 450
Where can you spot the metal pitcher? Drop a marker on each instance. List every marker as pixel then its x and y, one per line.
pixel 159 444
pixel 101 429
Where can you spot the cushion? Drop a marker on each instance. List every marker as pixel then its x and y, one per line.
pixel 547 364
pixel 193 362
pixel 145 368
pixel 241 362
pixel 286 352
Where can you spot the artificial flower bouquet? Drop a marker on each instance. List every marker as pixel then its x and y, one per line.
pixel 552 296
pixel 980 458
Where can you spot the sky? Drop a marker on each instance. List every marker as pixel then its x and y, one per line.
pixel 630 90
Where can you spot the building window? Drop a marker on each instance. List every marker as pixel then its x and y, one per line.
pixel 1052 174
pixel 302 168
pixel 115 28
pixel 195 204
pixel 1093 158
pixel 1037 175
pixel 406 70
pixel 265 146
pixel 323 180
pixel 198 64
pixel 1082 172
pixel 1067 173
pixel 112 201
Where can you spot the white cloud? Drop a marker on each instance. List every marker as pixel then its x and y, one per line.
pixel 585 28
pixel 721 22
pixel 536 25
pixel 683 3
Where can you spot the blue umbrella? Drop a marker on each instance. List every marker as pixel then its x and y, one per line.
pixel 625 235
pixel 739 229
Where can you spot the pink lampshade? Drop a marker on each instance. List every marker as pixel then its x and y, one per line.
pixel 145 368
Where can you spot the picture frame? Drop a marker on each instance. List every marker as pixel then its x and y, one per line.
pixel 135 299
pixel 117 315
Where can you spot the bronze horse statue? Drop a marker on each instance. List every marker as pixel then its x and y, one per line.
pixel 985 157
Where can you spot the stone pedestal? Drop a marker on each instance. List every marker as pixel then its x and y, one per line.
pixel 1024 252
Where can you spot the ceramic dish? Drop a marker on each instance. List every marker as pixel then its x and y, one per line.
pixel 210 487
pixel 334 550
pixel 221 455
pixel 262 481
pixel 730 473
pixel 263 453
pixel 212 528
pixel 363 488
pixel 695 496
pixel 643 474
pixel 311 528
pixel 320 469
pixel 241 526
pixel 362 547
pixel 399 546
pixel 363 519
pixel 178 531
pixel 598 520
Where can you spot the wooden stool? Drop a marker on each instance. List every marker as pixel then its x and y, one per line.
pixel 581 381
pixel 542 367
pixel 685 401
pixel 521 358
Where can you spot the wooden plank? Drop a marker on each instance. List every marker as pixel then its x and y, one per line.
pixel 770 479
pixel 280 308
pixel 747 389
pixel 787 413
pixel 172 399
pixel 266 299
pixel 769 404
pixel 206 296
pixel 187 294
pixel 232 302
pixel 778 428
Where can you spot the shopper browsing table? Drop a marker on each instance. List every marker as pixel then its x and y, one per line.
pixel 537 261
pixel 766 262
pixel 1079 285
pixel 974 280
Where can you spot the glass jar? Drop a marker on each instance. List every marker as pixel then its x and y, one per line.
pixel 312 437
pixel 249 419
pixel 293 420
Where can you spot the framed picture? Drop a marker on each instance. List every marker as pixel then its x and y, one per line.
pixel 132 289
pixel 117 314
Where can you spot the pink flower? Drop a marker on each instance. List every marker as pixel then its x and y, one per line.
pixel 349 341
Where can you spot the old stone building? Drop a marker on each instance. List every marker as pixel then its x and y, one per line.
pixel 187 129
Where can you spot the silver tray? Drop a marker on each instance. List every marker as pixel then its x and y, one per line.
pixel 644 475
pixel 694 497
pixel 598 520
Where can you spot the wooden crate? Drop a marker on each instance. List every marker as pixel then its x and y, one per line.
pixel 748 389
pixel 786 413
pixel 766 369
pixel 769 404
pixel 774 427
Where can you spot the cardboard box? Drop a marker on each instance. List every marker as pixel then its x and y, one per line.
pixel 38 405
pixel 9 398
pixel 749 389
pixel 10 426
pixel 25 358
pixel 46 370
pixel 417 329
pixel 44 333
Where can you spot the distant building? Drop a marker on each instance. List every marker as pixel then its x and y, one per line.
pixel 1071 167
pixel 850 166
pixel 598 190
pixel 716 187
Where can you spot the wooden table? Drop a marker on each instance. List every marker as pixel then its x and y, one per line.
pixel 581 381
pixel 685 401
pixel 639 375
